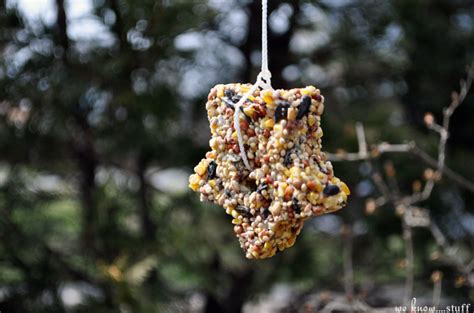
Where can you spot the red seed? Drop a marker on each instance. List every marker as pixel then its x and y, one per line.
pixel 261 110
pixel 288 193
pixel 250 132
pixel 238 229
pixel 257 162
pixel 297 183
pixel 244 125
pixel 318 210
pixel 266 133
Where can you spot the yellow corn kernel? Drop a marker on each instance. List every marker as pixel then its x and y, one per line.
pixel 295 172
pixel 212 183
pixel 234 135
pixel 345 189
pixel 255 254
pixel 194 187
pixel 211 155
pixel 268 123
pixel 249 111
pixel 312 197
pixel 330 202
pixel 201 168
pixel 251 98
pixel 234 214
pixel 220 92
pixel 319 187
pixel 278 128
pixel 287 172
pixel 267 246
pixel 194 182
pixel 267 92
pixel 244 89
pixel 236 221
pixel 311 120
pixel 319 133
pixel 305 92
pixel 315 185
pixel 268 99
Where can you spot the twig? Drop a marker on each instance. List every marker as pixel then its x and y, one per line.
pixel 361 140
pixel 461 181
pixel 421 218
pixel 443 131
pixel 437 278
pixel 410 260
pixel 347 260
pixel 382 187
pixel 449 251
pixel 411 147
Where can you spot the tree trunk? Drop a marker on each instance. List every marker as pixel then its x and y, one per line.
pixel 148 226
pixel 87 163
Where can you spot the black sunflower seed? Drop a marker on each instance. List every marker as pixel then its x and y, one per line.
pixel 261 187
pixel 236 98
pixel 211 170
pixel 265 213
pixel 229 93
pixel 287 160
pixel 331 190
pixel 303 109
pixel 320 166
pixel 296 206
pixel 281 111
pixel 244 211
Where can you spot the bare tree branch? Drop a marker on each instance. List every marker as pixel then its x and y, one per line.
pixel 413 216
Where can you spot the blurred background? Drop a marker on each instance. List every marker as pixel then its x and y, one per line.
pixel 102 118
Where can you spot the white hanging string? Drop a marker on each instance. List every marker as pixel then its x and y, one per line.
pixel 265 73
pixel 263 81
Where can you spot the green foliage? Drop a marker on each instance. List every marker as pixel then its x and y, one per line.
pixel 86 125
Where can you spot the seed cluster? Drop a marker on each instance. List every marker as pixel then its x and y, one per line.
pixel 290 180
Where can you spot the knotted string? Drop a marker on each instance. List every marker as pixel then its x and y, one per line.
pixel 263 81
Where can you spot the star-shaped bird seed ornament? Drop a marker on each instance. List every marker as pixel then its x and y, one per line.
pixel 288 178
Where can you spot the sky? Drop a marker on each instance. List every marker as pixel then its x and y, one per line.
pixel 82 24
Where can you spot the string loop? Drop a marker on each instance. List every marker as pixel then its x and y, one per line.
pixel 263 81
